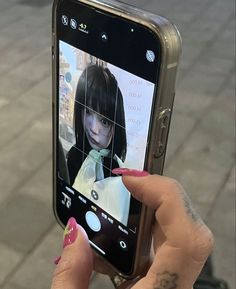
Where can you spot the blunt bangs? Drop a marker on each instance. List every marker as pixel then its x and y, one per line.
pixel 98 90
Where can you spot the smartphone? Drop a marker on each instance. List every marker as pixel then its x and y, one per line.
pixel 114 71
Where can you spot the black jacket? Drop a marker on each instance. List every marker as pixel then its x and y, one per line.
pixel 75 159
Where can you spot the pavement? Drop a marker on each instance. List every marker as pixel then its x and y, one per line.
pixel 201 151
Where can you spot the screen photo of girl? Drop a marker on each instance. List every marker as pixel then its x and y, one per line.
pixel 99 125
pixel 103 124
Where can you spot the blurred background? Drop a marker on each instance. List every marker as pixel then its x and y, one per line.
pixel 201 152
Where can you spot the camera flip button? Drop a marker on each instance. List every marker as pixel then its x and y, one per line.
pixel 123 245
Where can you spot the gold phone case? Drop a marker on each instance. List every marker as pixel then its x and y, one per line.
pixel 164 96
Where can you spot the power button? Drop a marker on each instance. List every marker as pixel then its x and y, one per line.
pixel 162 131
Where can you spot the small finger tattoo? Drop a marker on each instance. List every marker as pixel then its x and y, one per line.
pixel 189 209
pixel 166 280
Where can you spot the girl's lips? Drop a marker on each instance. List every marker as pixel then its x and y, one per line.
pixel 92 140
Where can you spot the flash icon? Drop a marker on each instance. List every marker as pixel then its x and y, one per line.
pixel 64 19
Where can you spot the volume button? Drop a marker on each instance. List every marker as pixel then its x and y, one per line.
pixel 162 132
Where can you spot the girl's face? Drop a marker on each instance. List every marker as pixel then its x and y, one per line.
pixel 98 129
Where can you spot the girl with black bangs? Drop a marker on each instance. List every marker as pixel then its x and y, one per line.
pixel 99 124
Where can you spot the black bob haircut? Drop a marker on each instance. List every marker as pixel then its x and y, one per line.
pixel 98 89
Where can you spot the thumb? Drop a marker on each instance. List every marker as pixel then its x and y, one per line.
pixel 75 266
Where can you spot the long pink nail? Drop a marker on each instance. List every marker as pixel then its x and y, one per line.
pixel 70 232
pixel 129 172
pixel 57 260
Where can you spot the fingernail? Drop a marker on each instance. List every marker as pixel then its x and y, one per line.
pixel 57 260
pixel 129 172
pixel 70 232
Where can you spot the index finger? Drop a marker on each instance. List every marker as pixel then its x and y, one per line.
pixel 173 210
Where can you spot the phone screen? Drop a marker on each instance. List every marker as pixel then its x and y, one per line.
pixel 105 97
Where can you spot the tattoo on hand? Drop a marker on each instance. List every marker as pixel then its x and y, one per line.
pixel 189 209
pixel 166 280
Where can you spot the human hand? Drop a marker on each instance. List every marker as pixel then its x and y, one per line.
pixel 75 265
pixel 181 241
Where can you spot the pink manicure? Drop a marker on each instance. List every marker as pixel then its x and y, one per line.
pixel 57 260
pixel 70 232
pixel 129 172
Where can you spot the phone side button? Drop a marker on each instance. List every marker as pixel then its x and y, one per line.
pixel 162 132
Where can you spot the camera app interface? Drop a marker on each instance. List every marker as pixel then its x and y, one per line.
pixel 104 115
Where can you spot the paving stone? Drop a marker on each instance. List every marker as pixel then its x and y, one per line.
pixel 202 83
pixel 211 64
pixel 39 186
pixel 13 14
pixel 35 3
pixel 207 155
pixel 192 104
pixel 37 270
pixel 17 117
pixel 223 49
pixel 101 281
pixel 222 223
pixel 25 49
pixel 190 52
pixel 9 259
pixel 24 156
pixel 27 149
pixel 11 285
pixel 228 92
pixel 138 3
pixel 9 182
pixel 3 102
pixel 201 166
pixel 5 5
pixel 26 21
pixel 152 7
pixel 181 126
pixel 218 12
pixel 26 75
pixel 23 221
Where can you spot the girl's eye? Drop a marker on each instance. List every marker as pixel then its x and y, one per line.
pixel 105 122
